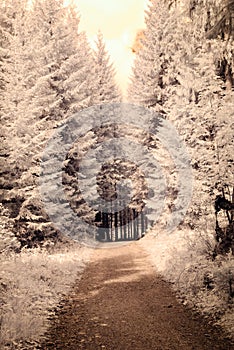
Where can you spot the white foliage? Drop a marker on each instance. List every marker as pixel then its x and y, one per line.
pixel 8 241
pixel 176 71
pixel 105 89
pixel 184 258
pixel 31 284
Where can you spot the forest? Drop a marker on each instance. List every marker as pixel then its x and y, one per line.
pixel 183 70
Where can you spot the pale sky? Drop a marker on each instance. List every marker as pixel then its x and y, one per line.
pixel 119 21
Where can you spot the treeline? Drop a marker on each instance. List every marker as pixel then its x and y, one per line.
pixel 184 68
pixel 48 72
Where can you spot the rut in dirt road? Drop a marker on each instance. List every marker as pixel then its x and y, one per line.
pixel 121 304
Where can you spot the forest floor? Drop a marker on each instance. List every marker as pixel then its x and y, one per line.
pixel 120 303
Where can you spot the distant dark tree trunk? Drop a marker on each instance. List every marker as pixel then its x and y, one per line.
pixel 224 236
pixel 116 225
pixel 125 226
pixel 142 223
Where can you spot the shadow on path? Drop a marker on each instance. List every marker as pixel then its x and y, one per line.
pixel 121 304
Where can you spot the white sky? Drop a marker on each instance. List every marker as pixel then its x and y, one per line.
pixel 119 20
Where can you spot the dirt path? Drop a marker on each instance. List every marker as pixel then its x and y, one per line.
pixel 120 304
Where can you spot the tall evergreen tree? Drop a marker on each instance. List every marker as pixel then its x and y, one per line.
pixel 63 86
pixel 105 90
pixel 48 78
pixel 79 84
pixel 148 66
pixel 16 68
pixel 186 85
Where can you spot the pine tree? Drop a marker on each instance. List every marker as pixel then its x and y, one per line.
pixel 79 84
pixel 65 82
pixel 63 86
pixel 198 104
pixel 148 67
pixel 16 69
pixel 48 78
pixel 106 90
pixel 185 84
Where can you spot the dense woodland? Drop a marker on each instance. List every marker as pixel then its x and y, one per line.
pixel 48 73
pixel 184 70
